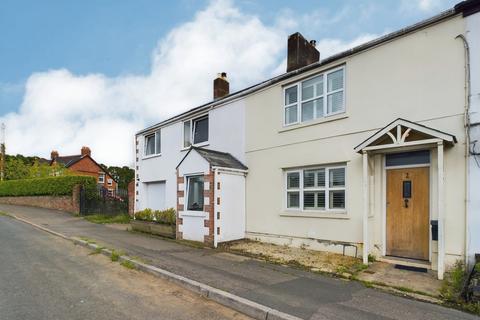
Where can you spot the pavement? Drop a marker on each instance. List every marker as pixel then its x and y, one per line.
pixel 296 292
pixel 45 277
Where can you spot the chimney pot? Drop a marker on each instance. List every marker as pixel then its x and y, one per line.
pixel 301 52
pixel 53 155
pixel 86 151
pixel 221 87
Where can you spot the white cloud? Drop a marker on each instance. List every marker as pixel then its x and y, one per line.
pixel 64 111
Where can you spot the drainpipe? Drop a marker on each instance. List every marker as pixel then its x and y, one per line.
pixel 467 142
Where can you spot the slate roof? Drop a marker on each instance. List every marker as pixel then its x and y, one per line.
pixel 67 161
pixel 217 158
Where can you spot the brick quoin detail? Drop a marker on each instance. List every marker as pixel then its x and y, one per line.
pixel 210 209
pixel 179 221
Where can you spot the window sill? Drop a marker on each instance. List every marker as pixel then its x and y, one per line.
pixel 151 156
pixel 333 117
pixel 341 214
pixel 187 213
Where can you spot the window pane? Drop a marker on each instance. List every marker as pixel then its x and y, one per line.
pixel 195 193
pixel 158 146
pixel 337 177
pixel 150 145
pixel 307 111
pixel 293 199
pixel 312 88
pixel 321 178
pixel 309 178
pixel 335 80
pixel 321 200
pixel 319 107
pixel 337 199
pixel 201 130
pixel 309 200
pixel 291 114
pixel 291 95
pixel 187 134
pixel 408 158
pixel 293 180
pixel 335 102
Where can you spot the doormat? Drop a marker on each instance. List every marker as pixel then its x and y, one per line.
pixel 410 268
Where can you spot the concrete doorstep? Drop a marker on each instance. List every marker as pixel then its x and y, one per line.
pixel 227 299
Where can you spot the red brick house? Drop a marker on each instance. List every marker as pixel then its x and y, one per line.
pixel 83 164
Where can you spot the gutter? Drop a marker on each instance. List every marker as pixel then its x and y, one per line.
pixel 467 142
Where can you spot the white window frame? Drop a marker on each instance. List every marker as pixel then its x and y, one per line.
pixel 325 95
pixel 110 182
pixel 102 176
pixel 326 189
pixel 186 192
pixel 192 130
pixel 156 152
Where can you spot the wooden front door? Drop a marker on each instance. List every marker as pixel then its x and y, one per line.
pixel 408 213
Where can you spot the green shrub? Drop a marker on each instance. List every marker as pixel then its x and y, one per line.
pixel 51 186
pixel 167 216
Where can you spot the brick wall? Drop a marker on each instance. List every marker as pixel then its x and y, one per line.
pixel 63 203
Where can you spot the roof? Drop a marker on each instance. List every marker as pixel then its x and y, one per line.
pixel 67 161
pixel 447 137
pixel 217 158
pixel 464 7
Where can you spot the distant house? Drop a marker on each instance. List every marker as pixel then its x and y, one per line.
pixel 84 164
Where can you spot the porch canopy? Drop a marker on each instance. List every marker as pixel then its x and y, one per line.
pixel 404 135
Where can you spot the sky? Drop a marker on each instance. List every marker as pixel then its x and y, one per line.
pixel 92 73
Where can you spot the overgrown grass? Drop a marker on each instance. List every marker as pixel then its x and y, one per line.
pixel 452 288
pixel 128 264
pixel 115 256
pixel 4 214
pixel 104 219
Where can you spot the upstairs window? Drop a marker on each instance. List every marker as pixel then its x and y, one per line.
pixel 101 177
pixel 195 131
pixel 153 143
pixel 314 98
pixel 321 189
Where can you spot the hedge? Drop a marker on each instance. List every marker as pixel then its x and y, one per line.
pixel 167 216
pixel 51 186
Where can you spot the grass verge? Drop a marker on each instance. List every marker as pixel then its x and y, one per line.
pixel 103 218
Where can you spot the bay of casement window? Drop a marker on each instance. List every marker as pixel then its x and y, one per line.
pixel 319 189
pixel 316 97
pixel 153 144
pixel 195 131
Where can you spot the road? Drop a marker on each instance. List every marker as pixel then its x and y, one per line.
pixel 44 277
pixel 301 293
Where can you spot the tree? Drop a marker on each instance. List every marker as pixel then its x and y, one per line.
pixel 123 175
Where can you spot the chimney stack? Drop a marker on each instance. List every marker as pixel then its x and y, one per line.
pixel 301 53
pixel 53 154
pixel 221 87
pixel 85 151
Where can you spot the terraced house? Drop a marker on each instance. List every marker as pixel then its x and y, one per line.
pixel 371 151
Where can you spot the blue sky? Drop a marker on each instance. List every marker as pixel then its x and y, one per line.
pixel 91 41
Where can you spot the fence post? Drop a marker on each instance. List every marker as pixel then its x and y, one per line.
pixel 131 198
pixel 77 199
